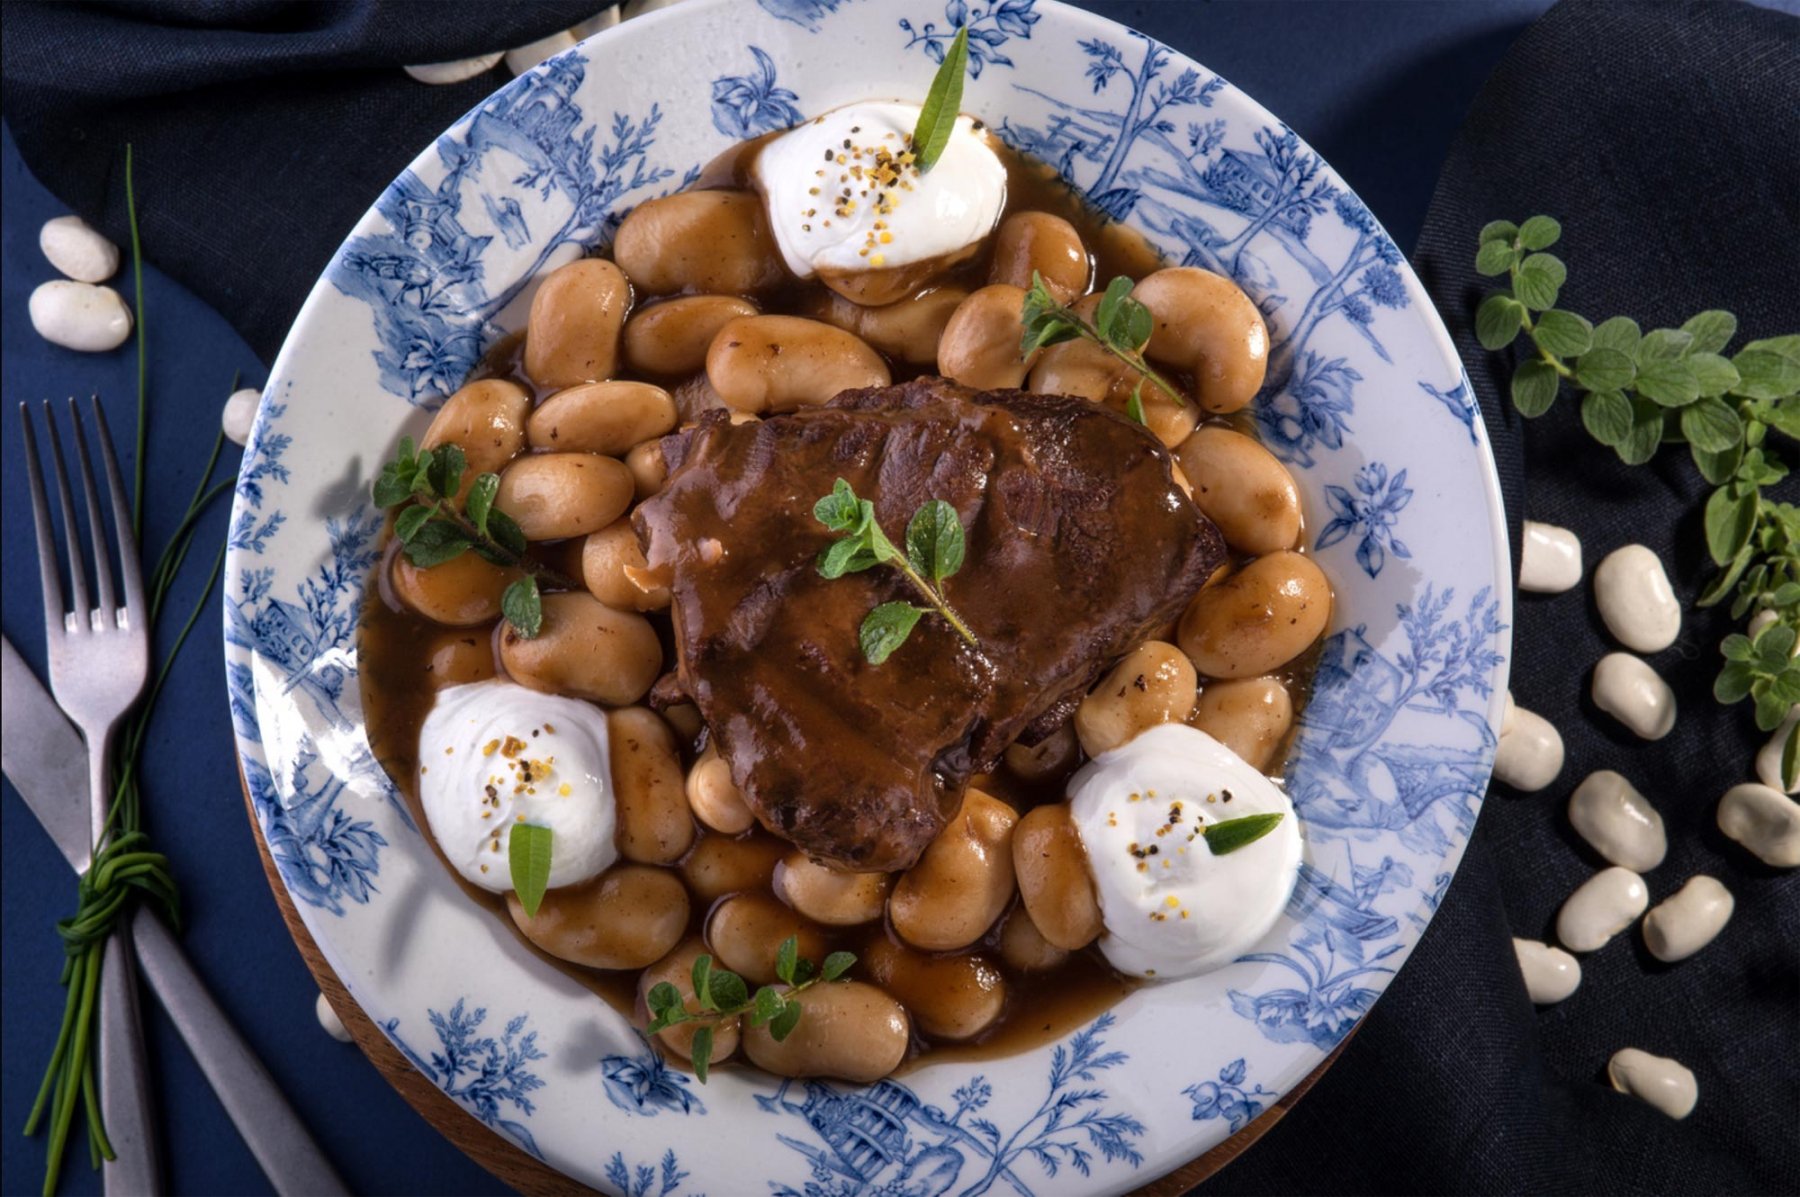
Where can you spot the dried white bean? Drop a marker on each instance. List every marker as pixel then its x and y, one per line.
pixel 1601 907
pixel 1634 694
pixel 1635 599
pixel 328 1018
pixel 75 248
pixel 1768 757
pixel 522 58
pixel 240 414
pixel 1655 1080
pixel 1618 821
pixel 1688 920
pixel 454 71
pixel 1761 620
pixel 80 316
pixel 1549 559
pixel 1551 974
pixel 1764 820
pixel 1530 755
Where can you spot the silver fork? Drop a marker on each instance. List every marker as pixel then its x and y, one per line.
pixel 99 661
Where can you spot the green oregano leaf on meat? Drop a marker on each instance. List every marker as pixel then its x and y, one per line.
pixel 934 551
pixel 934 541
pixel 886 628
pixel 943 104
pixel 1640 390
pixel 528 854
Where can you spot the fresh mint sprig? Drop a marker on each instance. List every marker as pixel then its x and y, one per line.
pixel 1642 390
pixel 943 104
pixel 1122 326
pixel 934 551
pixel 425 482
pixel 721 994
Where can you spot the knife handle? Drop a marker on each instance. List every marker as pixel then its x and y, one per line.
pixel 270 1128
pixel 125 1078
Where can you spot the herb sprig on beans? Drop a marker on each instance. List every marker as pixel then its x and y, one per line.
pixel 1121 326
pixel 1641 390
pixel 721 994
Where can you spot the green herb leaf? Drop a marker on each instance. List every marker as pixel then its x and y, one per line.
pixel 505 532
pixel 1715 375
pixel 1498 230
pixel 728 990
pixel 1765 373
pixel 665 1006
pixel 436 542
pixel 408 522
pixel 1534 386
pixel 1540 232
pixel 803 971
pixel 480 503
pixel 1106 315
pixel 528 854
pixel 1710 425
pixel 783 1024
pixel 1668 381
pixel 1718 468
pixel 847 557
pixel 785 956
pixel 1736 647
pixel 1711 331
pixel 767 1005
pixel 1730 520
pixel 1621 333
pixel 1134 406
pixel 934 540
pixel 700 1052
pixel 836 965
pixel 1733 683
pixel 841 510
pixel 1662 344
pixel 1232 834
pixel 1498 320
pixel 1722 584
pixel 1607 416
pixel 1604 368
pixel 1495 257
pixel 1640 444
pixel 523 607
pixel 446 469
pixel 1539 281
pixel 393 486
pixel 943 104
pixel 1563 334
pixel 886 628
pixel 702 978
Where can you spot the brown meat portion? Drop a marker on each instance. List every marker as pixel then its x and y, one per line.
pixel 1079 545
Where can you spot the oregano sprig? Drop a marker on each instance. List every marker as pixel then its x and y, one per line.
pixel 1641 390
pixel 934 551
pixel 721 994
pixel 434 530
pixel 1121 326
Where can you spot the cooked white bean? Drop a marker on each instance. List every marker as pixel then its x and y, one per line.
pixel 1028 243
pixel 1635 694
pixel 1655 1080
pixel 963 880
pixel 908 330
pixel 455 71
pixel 779 363
pixel 78 250
pixel 628 917
pixel 586 649
pixel 1530 755
pixel 831 896
pixel 1688 920
pixel 1052 756
pixel 1251 716
pixel 1258 619
pixel 699 242
pixel 718 865
pixel 554 496
pixel 654 825
pixel 80 316
pixel 1241 487
pixel 1549 559
pixel 1154 683
pixel 1055 883
pixel 981 342
pixel 850 1030
pixel 949 997
pixel 615 572
pixel 648 470
pixel 1764 820
pixel 1635 599
pixel 1206 324
pixel 328 1018
pixel 1550 973
pixel 602 417
pixel 1618 822
pixel 670 338
pixel 746 931
pixel 1601 907
pixel 1770 756
pixel 677 969
pixel 460 593
pixel 486 420
pixel 1024 947
pixel 715 798
pixel 239 415
pixel 572 332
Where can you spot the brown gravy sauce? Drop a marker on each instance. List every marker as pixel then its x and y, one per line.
pixel 398 690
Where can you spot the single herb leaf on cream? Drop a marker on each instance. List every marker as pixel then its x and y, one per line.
pixel 424 483
pixel 1122 326
pixel 1231 834
pixel 1640 390
pixel 720 994
pixel 528 854
pixel 943 104
pixel 934 551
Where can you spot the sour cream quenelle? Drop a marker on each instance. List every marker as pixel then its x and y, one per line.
pixel 844 195
pixel 1170 907
pixel 493 754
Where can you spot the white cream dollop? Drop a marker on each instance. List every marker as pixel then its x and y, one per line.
pixel 843 195
pixel 492 754
pixel 1170 907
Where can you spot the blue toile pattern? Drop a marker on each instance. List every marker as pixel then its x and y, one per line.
pixel 643 1083
pixel 646 1180
pixel 745 106
pixel 1228 1097
pixel 990 27
pixel 482 1073
pixel 1370 515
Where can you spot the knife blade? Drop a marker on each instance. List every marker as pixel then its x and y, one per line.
pixel 43 756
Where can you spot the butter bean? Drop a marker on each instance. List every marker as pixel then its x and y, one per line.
pixel 1688 920
pixel 1601 907
pixel 602 417
pixel 486 420
pixel 1024 947
pixel 763 364
pixel 1635 694
pixel 707 242
pixel 1636 602
pixel 830 896
pixel 77 250
pixel 459 657
pixel 1530 755
pixel 714 797
pixel 239 416
pixel 627 917
pixel 554 496
pixel 719 865
pixel 907 330
pixel 1053 756
pixel 1241 487
pixel 677 968
pixel 963 880
pixel 847 1029
pixel 1549 559
pixel 586 650
pixel 1207 325
pixel 653 822
pixel 1258 619
pixel 329 1020
pixel 648 470
pixel 1655 1080
pixel 463 592
pixel 746 931
pixel 1550 973
pixel 572 333
pixel 79 316
pixel 614 569
pixel 1764 820
pixel 455 71
pixel 1618 822
pixel 1770 755
pixel 949 997
pixel 1055 883
pixel 1153 684
pixel 669 339
pixel 1038 243
pixel 980 347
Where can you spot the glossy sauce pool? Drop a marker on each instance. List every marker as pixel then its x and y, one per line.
pixel 398 690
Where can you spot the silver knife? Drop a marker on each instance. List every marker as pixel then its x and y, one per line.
pixel 43 757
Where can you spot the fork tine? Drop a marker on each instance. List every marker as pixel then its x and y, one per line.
pixel 46 538
pixel 106 605
pixel 131 570
pixel 78 590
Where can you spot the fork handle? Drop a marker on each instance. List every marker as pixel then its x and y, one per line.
pixel 125 1076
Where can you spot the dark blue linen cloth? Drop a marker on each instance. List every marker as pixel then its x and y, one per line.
pixel 1664 138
